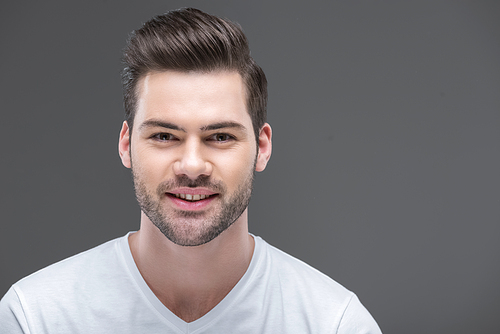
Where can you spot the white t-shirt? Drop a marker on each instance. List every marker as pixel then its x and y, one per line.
pixel 102 291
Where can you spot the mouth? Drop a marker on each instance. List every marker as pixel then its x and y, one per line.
pixel 192 197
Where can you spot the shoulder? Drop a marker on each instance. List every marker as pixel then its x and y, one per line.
pixel 324 303
pixel 63 296
pixel 294 271
pixel 77 265
pixel 71 276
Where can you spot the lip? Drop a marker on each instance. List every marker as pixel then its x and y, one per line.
pixel 192 191
pixel 188 205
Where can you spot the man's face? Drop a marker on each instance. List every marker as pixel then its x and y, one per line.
pixel 192 152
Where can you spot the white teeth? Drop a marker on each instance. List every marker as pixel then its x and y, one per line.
pixel 190 197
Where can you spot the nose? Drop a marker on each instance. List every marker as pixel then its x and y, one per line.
pixel 191 161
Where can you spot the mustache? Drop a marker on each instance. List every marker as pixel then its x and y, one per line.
pixel 184 181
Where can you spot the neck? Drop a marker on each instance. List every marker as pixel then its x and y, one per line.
pixel 190 281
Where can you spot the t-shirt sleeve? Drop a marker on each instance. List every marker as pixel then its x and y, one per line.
pixel 12 316
pixel 357 320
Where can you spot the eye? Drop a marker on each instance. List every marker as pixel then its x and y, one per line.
pixel 164 136
pixel 221 137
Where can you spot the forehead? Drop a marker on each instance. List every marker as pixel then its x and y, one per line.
pixel 192 96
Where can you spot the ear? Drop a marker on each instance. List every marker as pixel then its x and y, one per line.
pixel 124 145
pixel 265 147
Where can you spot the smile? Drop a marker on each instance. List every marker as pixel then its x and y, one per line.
pixel 192 198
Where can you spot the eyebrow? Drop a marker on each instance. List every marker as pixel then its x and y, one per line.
pixel 222 125
pixel 151 123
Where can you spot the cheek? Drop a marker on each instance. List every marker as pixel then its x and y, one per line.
pixel 150 166
pixel 233 168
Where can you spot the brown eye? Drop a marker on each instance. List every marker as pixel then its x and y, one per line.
pixel 164 136
pixel 221 137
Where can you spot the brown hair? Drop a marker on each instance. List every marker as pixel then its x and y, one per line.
pixel 191 40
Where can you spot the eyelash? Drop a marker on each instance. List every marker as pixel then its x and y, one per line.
pixel 213 137
pixel 227 136
pixel 158 136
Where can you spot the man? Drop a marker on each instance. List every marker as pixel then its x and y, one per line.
pixel 194 134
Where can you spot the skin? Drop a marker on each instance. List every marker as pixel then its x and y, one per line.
pixel 191 280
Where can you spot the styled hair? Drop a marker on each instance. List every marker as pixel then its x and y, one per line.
pixel 190 40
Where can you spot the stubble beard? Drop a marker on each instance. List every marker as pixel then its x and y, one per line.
pixel 185 228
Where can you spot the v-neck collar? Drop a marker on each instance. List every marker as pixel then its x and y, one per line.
pixel 169 316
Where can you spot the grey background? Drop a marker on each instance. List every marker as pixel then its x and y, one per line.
pixel 384 174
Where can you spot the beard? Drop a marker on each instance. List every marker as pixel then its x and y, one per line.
pixel 193 228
